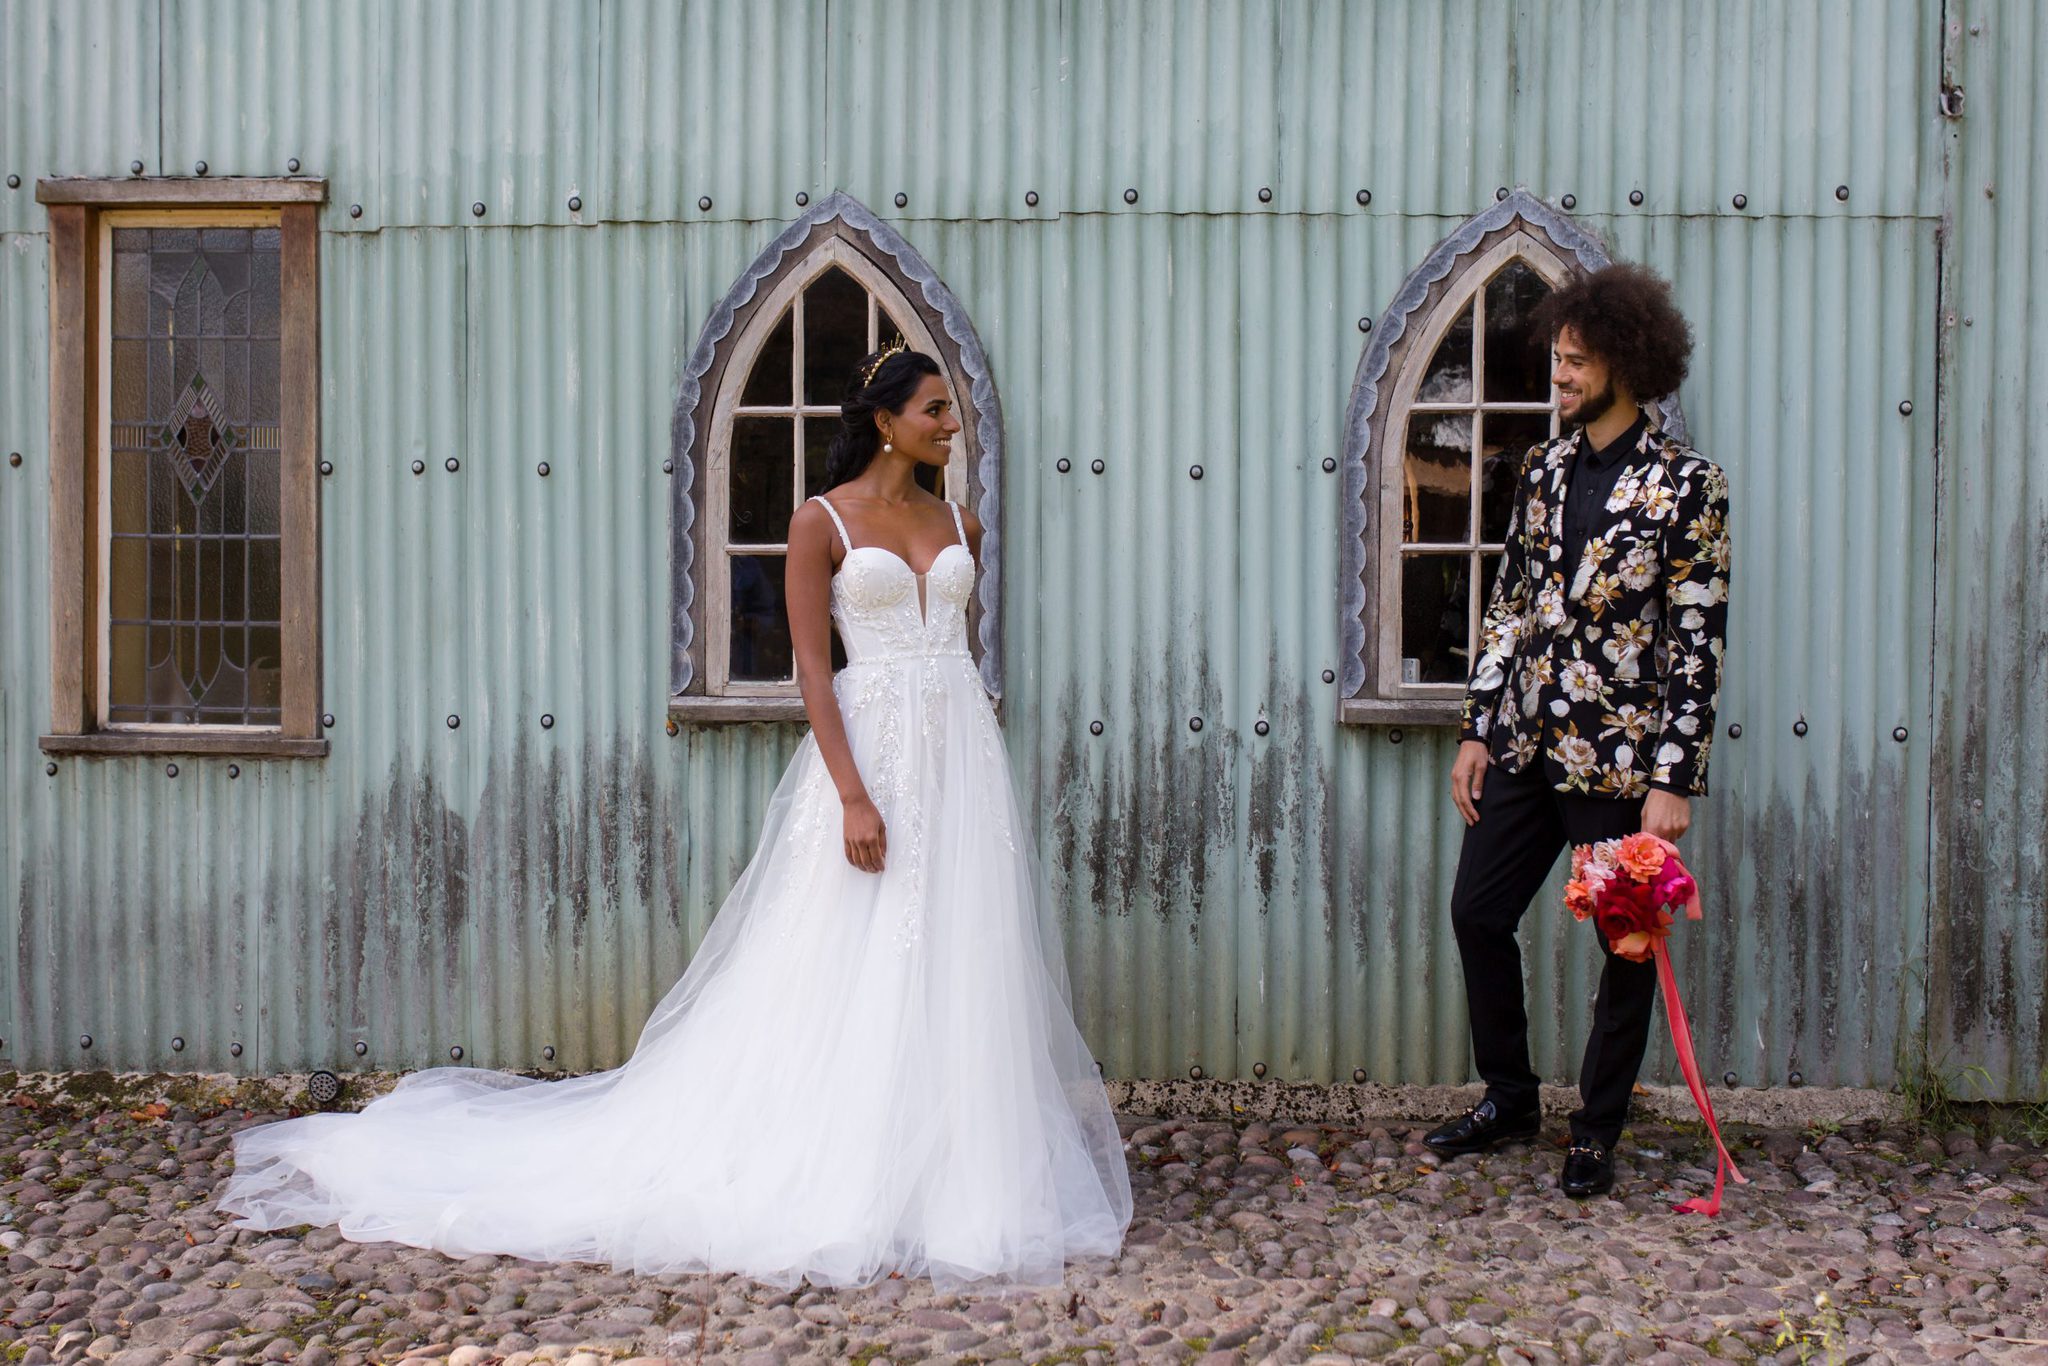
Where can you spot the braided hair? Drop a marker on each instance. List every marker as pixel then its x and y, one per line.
pixel 883 379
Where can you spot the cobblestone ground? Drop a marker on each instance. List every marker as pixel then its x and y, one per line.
pixel 1251 1242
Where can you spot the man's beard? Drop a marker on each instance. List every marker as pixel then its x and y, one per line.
pixel 1593 407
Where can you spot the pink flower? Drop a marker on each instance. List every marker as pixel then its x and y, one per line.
pixel 1578 899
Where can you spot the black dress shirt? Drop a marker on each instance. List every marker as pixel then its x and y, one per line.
pixel 1591 484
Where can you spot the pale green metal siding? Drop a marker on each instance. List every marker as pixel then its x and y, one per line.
pixel 1231 898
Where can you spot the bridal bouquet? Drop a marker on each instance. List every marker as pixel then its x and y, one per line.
pixel 1632 888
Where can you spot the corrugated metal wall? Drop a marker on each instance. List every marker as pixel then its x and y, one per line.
pixel 1231 898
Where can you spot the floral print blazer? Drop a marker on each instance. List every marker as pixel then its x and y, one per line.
pixel 1608 669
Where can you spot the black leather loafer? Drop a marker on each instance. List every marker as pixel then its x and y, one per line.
pixel 1588 1171
pixel 1481 1128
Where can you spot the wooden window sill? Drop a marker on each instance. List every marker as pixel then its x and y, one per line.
pixel 1404 711
pixel 242 745
pixel 695 710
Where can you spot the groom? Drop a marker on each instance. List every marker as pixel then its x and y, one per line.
pixel 1590 711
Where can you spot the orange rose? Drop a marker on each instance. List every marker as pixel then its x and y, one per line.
pixel 1578 899
pixel 1641 856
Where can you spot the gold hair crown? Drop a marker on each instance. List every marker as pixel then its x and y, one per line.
pixel 894 348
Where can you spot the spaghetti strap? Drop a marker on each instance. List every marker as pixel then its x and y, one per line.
pixel 958 528
pixel 833 513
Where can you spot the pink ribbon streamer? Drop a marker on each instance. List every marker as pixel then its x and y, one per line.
pixel 1681 1041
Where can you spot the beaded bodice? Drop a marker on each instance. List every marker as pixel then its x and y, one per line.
pixel 885 610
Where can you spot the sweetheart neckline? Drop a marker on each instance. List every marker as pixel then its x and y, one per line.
pixel 855 550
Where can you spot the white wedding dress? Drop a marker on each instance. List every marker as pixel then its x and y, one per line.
pixel 858 1074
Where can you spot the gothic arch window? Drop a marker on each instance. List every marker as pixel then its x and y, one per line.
pixel 756 411
pixel 1451 393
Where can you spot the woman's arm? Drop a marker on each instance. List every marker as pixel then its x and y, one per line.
pixel 807 588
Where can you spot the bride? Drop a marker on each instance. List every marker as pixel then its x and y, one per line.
pixel 870 1066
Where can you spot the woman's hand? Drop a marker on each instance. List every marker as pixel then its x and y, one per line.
pixel 867 839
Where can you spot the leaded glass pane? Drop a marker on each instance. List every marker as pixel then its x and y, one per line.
pixel 768 383
pixel 835 334
pixel 762 470
pixel 761 651
pixel 194 476
pixel 1435 618
pixel 1449 376
pixel 1504 439
pixel 1437 479
pixel 1517 366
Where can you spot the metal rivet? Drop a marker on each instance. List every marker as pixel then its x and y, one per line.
pixel 234 770
pixel 1365 324
pixel 1063 464
pixel 476 210
pixel 1796 1079
pixel 1258 1069
pixel 1842 193
pixel 454 721
pixel 1358 1076
pixel 1500 192
pixel 14 459
pixel 1031 199
pixel 1727 1078
pixel 673 728
pixel 1194 471
pixel 327 720
pixel 1329 464
pixel 1741 202
pixel 456 1053
pixel 548 1052
pixel 704 204
pixel 85 1041
pixel 1394 736
pixel 13 182
pixel 1195 1072
pixel 1194 723
pixel 355 211
pixel 326 467
pixel 1364 197
pixel 134 168
pixel 902 199
pixel 575 203
pixel 419 467
pixel 235 1049
pixel 1735 731
pixel 50 768
pixel 1265 194
pixel 547 720
pixel 1260 727
pixel 362 1049
pixel 1799 727
pixel 1130 196
pixel 1095 465
pixel 1095 728
pixel 178 1044
pixel 292 165
pixel 1899 734
pixel 1570 201
pixel 1329 675
pixel 170 770
pixel 1635 197
pixel 199 168
pixel 668 467
pixel 1906 407
pixel 323 1087
pixel 542 469
pixel 802 199
pixel 451 464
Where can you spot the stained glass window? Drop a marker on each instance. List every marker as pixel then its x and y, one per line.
pixel 1482 400
pixel 191 517
pixel 781 427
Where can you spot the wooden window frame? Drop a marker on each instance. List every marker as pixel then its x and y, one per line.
pixel 79 212
pixel 843 232
pixel 1402 342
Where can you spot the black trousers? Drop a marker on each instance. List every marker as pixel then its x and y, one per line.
pixel 1524 823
